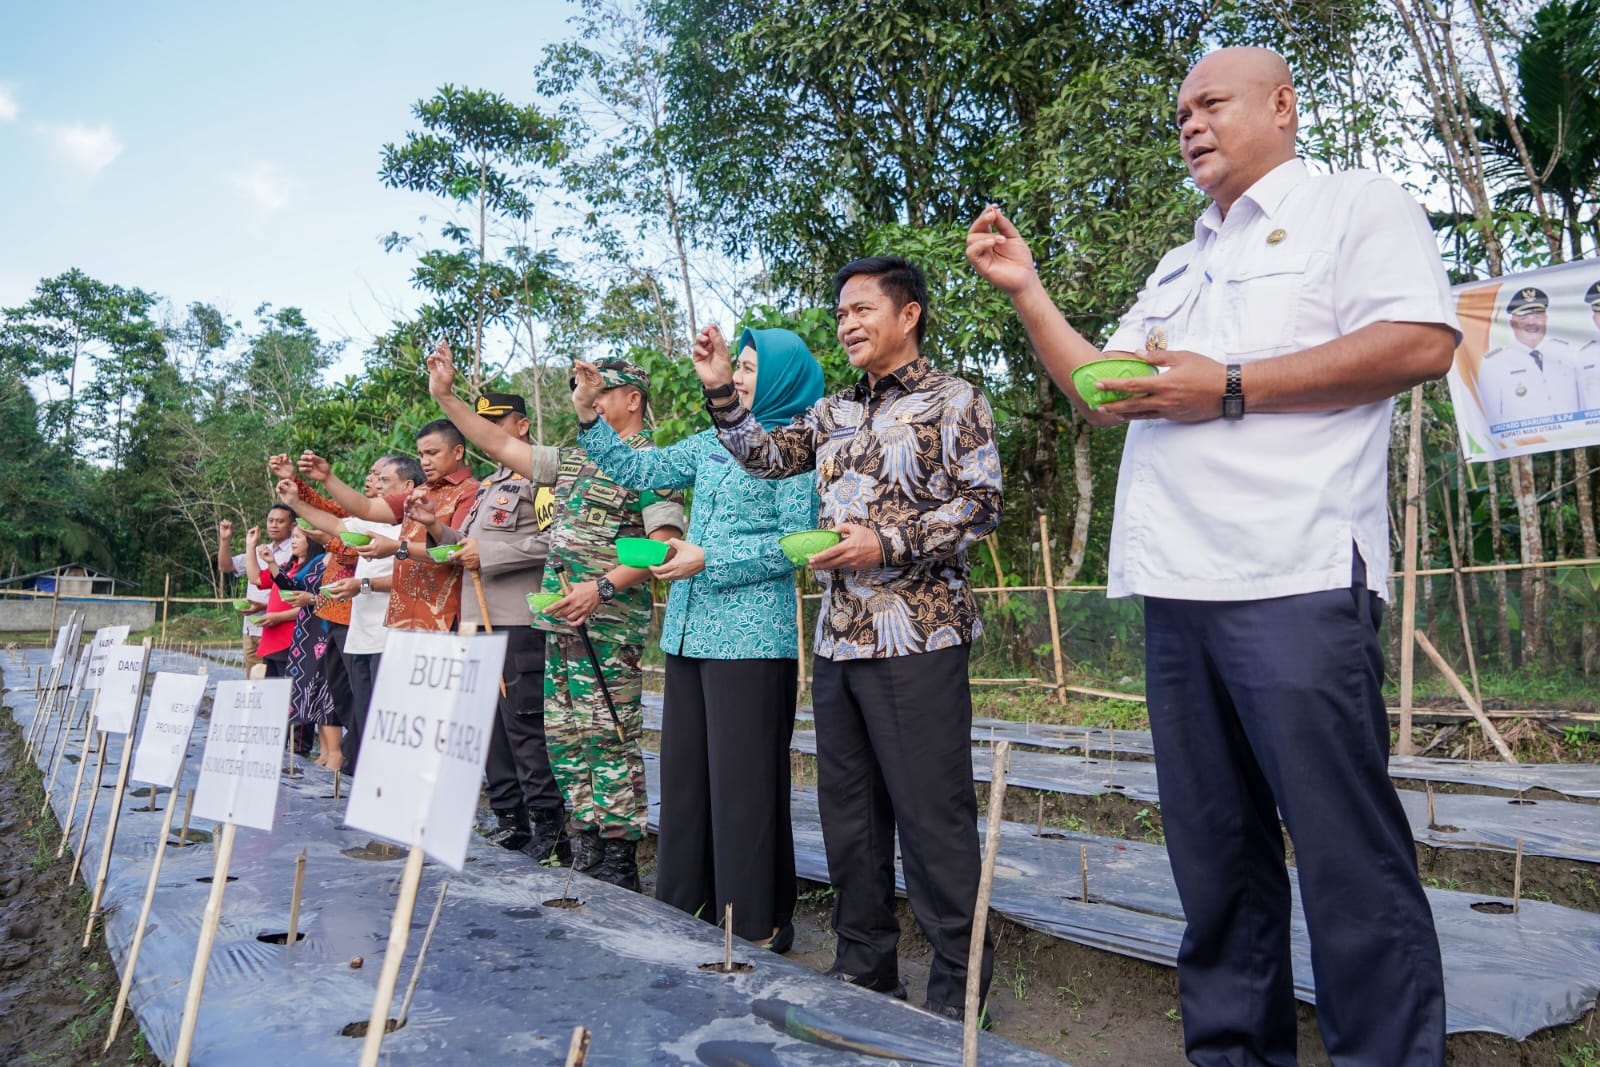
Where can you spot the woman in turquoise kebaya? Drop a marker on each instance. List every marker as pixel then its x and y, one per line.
pixel 732 644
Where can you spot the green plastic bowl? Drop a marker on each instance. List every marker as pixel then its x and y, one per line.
pixel 1084 377
pixel 801 545
pixel 539 603
pixel 442 553
pixel 304 525
pixel 641 552
pixel 350 537
pixel 241 605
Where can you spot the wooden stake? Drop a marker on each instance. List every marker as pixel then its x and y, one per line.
pixel 993 542
pixel 55 599
pixel 1466 698
pixel 980 908
pixel 727 939
pixel 188 809
pixel 336 780
pixel 422 954
pixel 1050 601
pixel 1461 600
pixel 1038 830
pixel 144 918
pixel 88 815
pixel 294 900
pixel 578 1050
pixel 116 801
pixel 77 784
pixel 1408 595
pixel 1433 824
pixel 166 602
pixel 202 952
pixel 399 934
pixel 1516 881
pixel 800 624
pixel 1083 870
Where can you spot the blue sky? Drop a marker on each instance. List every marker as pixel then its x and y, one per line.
pixel 228 153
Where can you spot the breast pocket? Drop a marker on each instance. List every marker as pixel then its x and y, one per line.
pixel 1264 304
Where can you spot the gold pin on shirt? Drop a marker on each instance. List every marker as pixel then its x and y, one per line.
pixel 1276 237
pixel 1156 340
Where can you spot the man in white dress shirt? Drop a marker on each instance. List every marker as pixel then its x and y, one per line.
pixel 1588 360
pixel 1532 378
pixel 1250 515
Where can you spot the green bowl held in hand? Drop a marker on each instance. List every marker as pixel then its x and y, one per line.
pixel 1084 377
pixel 355 540
pixel 241 605
pixel 641 552
pixel 304 525
pixel 442 553
pixel 803 544
pixel 539 603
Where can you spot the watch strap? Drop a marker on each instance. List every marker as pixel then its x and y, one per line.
pixel 1233 393
pixel 605 588
pixel 720 392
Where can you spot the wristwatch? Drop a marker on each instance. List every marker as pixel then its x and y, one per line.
pixel 719 392
pixel 1233 394
pixel 404 551
pixel 606 590
pixel 366 585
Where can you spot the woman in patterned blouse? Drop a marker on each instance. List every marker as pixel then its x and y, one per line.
pixel 731 642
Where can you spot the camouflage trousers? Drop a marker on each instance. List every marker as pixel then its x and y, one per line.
pixel 601 777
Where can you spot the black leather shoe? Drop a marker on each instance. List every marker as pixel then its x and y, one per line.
pixel 549 837
pixel 588 853
pixel 618 864
pixel 958 1013
pixel 891 985
pixel 511 828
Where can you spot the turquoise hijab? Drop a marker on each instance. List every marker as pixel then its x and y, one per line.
pixel 788 376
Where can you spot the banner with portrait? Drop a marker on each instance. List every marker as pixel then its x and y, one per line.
pixel 1526 376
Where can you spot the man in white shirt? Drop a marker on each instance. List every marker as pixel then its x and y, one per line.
pixel 1250 515
pixel 280 524
pixel 1532 379
pixel 1588 360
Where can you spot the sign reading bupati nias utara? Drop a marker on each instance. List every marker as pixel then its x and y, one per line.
pixel 426 740
pixel 244 749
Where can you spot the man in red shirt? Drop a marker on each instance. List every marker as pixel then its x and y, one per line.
pixel 426 595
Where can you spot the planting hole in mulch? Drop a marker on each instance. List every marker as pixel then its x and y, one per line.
pixel 569 903
pixel 1493 907
pixel 1519 802
pixel 375 850
pixel 1051 835
pixel 281 937
pixel 1445 829
pixel 207 879
pixel 359 1029
pixel 736 967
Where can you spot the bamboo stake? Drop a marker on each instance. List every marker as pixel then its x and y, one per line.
pixel 55 599
pixel 56 766
pixel 336 784
pixel 399 934
pixel 116 801
pixel 1038 829
pixel 578 1050
pixel 1461 602
pixel 800 626
pixel 1408 596
pixel 166 603
pixel 1050 601
pixel 999 575
pixel 188 809
pixel 727 939
pixel 1433 824
pixel 1461 691
pixel 88 815
pixel 202 953
pixel 422 954
pixel 980 909
pixel 1516 881
pixel 483 612
pixel 144 920
pixel 1083 870
pixel 294 900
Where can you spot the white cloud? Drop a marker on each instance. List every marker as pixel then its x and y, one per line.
pixel 88 148
pixel 264 185
pixel 9 108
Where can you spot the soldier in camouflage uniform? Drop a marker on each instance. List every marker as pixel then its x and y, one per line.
pixel 601 775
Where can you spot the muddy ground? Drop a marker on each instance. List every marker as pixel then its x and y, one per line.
pixel 1082 1005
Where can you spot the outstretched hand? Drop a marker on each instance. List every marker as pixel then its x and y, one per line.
pixel 712 361
pixel 441 371
pixel 314 466
pixel 587 387
pixel 281 466
pixel 288 492
pixel 998 253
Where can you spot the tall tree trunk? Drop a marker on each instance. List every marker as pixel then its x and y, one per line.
pixel 1502 613
pixel 1526 494
pixel 1586 534
pixel 483 245
pixel 1464 528
pixel 1083 483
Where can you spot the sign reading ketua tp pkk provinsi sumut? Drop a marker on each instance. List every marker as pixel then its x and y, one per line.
pixel 244 749
pixel 120 686
pixel 104 638
pixel 427 736
pixel 164 737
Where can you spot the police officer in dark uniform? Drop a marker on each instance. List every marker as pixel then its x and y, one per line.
pixel 506 543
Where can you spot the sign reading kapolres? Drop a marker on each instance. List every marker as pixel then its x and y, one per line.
pixel 244 749
pixel 1526 376
pixel 164 737
pixel 426 740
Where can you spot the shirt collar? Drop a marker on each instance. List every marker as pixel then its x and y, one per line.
pixel 455 477
pixel 908 377
pixel 1267 194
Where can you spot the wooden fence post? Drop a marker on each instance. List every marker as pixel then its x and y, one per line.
pixel 166 593
pixel 1408 595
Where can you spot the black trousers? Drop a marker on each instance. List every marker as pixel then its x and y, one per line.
pixel 725 832
pixel 362 670
pixel 337 676
pixel 1276 706
pixel 518 766
pixel 894 750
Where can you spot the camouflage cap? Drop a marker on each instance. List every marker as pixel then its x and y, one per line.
pixel 619 372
